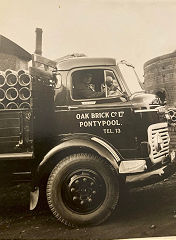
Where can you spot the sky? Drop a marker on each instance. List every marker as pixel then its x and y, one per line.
pixel 134 30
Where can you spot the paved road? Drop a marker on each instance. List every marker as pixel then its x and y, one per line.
pixel 149 211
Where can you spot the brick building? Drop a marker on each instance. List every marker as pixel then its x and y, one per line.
pixel 12 56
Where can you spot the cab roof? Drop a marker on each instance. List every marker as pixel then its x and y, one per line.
pixel 84 62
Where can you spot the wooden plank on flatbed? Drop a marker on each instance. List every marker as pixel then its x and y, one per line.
pixel 9 139
pixel 9 147
pixel 9 114
pixel 9 122
pixel 8 132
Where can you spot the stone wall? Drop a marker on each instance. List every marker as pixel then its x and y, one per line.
pixel 160 74
pixel 172 134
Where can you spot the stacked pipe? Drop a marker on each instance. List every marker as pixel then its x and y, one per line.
pixel 15 90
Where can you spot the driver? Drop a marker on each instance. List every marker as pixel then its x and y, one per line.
pixel 84 89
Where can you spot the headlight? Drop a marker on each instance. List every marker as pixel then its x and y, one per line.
pixel 171 115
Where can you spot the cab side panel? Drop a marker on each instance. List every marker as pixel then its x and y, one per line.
pixel 113 124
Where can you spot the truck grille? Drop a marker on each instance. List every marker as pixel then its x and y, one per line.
pixel 158 139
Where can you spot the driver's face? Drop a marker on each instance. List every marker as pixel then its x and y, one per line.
pixel 88 78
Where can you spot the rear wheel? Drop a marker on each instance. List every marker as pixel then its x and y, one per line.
pixel 82 189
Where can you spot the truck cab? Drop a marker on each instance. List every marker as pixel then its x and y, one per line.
pixel 124 117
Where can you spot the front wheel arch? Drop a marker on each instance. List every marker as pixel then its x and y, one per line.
pixel 75 146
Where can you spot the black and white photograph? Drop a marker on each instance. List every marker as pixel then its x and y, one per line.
pixel 88 119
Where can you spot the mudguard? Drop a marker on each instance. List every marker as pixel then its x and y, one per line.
pixel 92 143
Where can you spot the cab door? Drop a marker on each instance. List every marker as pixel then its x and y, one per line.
pixel 109 117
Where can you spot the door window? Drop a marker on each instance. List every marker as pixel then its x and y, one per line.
pixel 95 83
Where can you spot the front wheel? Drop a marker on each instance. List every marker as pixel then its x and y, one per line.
pixel 82 189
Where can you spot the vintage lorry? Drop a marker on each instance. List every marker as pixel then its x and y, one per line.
pixel 82 150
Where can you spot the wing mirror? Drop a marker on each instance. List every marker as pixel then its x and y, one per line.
pixel 58 80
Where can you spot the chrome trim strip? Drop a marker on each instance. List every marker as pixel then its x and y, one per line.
pixel 146 110
pixel 16 155
pixel 21 173
pixel 109 148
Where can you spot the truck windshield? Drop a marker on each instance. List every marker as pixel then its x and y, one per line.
pixel 130 77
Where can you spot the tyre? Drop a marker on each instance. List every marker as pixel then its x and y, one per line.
pixel 82 189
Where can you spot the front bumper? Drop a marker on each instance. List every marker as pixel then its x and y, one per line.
pixel 150 177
